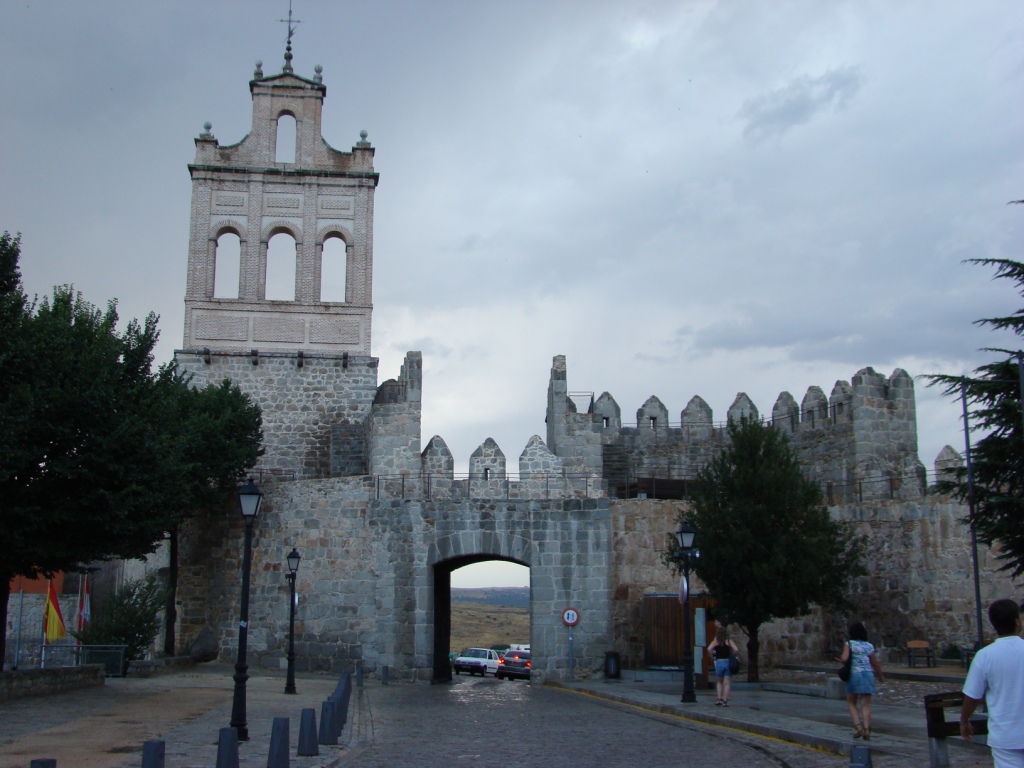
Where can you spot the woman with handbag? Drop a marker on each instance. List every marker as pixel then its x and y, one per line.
pixel 722 649
pixel 864 667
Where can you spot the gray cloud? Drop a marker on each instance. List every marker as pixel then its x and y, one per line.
pixel 798 102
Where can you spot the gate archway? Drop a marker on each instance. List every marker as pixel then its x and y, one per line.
pixel 443 607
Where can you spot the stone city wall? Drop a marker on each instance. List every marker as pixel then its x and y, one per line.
pixel 365 583
pixel 919 583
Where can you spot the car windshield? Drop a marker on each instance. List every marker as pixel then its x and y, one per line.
pixel 476 653
pixel 522 655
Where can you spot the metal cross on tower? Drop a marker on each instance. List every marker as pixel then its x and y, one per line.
pixel 291 31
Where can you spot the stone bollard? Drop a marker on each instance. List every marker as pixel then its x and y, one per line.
pixel 860 757
pixel 384 674
pixel 43 762
pixel 327 736
pixel 279 744
pixel 227 748
pixel 307 734
pixel 153 754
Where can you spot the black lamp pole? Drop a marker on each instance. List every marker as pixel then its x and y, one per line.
pixel 685 536
pixel 293 566
pixel 249 498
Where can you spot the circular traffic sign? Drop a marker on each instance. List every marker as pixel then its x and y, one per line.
pixel 570 617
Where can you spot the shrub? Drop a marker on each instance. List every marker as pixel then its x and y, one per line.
pixel 130 617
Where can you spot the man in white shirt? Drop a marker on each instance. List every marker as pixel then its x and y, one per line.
pixel 997 675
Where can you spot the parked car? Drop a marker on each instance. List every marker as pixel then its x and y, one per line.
pixel 515 664
pixel 476 661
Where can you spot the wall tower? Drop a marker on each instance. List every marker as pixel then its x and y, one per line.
pixel 304 359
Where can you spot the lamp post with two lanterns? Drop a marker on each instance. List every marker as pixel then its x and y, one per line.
pixel 687 553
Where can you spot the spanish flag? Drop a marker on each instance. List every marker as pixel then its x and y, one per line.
pixel 53 623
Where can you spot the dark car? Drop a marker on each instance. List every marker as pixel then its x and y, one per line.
pixel 515 664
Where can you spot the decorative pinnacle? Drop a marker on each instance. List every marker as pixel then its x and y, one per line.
pixel 259 69
pixel 363 134
pixel 319 76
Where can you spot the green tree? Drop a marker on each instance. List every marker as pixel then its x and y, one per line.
pixel 768 547
pixel 217 437
pixel 99 457
pixel 994 395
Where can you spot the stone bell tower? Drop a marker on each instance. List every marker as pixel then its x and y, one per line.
pixel 306 361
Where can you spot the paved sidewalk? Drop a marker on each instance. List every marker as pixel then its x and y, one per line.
pixel 797 714
pixel 105 727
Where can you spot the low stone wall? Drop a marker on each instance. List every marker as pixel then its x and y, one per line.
pixel 20 683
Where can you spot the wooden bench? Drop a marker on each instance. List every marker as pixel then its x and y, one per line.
pixel 920 650
pixel 939 729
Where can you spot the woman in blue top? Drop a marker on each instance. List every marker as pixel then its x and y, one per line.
pixel 861 684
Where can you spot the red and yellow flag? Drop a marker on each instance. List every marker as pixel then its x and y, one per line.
pixel 53 623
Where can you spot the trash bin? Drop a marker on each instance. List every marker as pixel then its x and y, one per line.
pixel 611 665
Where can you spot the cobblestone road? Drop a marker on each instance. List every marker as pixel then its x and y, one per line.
pixel 485 722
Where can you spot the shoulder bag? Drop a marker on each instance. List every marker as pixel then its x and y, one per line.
pixel 844 670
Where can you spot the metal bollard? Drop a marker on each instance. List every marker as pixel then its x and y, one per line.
pixel 860 757
pixel 307 734
pixel 384 675
pixel 327 735
pixel 153 754
pixel 227 748
pixel 43 762
pixel 279 744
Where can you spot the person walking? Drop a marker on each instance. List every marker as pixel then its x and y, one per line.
pixel 864 667
pixel 722 649
pixel 997 676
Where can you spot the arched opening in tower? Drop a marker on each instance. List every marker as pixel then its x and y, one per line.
pixel 480 601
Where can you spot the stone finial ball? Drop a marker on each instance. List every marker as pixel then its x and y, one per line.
pixel 318 69
pixel 207 126
pixel 363 135
pixel 259 63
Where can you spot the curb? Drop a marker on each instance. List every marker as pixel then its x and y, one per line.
pixel 811 741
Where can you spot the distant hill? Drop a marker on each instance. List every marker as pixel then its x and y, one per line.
pixel 512 597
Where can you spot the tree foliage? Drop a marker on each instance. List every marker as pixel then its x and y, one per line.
pixel 130 617
pixel 994 394
pixel 768 547
pixel 100 457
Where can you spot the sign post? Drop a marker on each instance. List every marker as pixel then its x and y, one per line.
pixel 570 617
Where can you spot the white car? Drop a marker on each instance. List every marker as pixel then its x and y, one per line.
pixel 477 661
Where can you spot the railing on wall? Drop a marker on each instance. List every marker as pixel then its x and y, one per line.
pixel 633 484
pixel 489 485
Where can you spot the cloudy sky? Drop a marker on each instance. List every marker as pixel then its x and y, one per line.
pixel 681 197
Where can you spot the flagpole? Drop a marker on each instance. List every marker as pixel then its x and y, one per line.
pixel 21 613
pixel 46 613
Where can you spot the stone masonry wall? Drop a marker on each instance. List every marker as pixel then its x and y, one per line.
pixel 365 584
pixel 919 583
pixel 300 404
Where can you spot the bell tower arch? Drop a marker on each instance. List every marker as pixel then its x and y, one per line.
pixel 319 193
pixel 302 353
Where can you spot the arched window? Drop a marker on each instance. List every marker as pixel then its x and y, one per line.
pixel 227 266
pixel 333 267
pixel 285 139
pixel 281 262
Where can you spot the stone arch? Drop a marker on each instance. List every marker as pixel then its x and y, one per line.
pixel 226 226
pixel 279 227
pixel 334 230
pixel 454 551
pixel 483 545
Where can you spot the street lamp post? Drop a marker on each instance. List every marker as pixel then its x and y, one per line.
pixel 249 498
pixel 293 567
pixel 685 536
